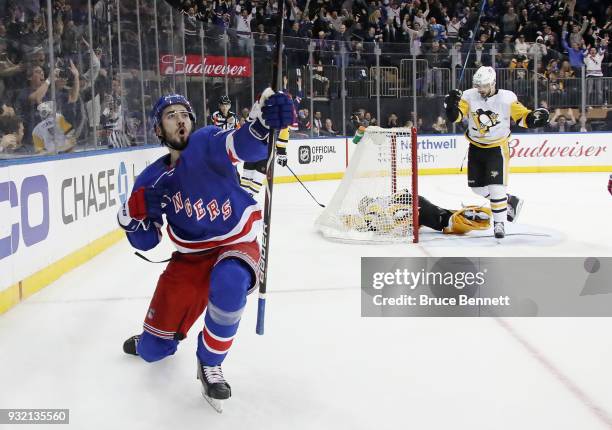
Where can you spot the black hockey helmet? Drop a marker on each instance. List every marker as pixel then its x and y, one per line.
pixel 225 100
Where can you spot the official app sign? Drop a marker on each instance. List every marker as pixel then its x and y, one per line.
pixel 493 287
pixel 304 154
pixel 316 153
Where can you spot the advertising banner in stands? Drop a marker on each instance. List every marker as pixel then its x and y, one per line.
pixel 191 65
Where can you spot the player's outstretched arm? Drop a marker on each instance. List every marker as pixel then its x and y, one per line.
pixel 527 118
pixel 455 107
pixel 271 111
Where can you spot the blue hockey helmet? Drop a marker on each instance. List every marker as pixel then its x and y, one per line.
pixel 168 100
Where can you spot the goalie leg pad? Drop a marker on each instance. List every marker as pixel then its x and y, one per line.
pixel 468 219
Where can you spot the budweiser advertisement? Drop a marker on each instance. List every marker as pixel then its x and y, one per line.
pixel 562 149
pixel 191 65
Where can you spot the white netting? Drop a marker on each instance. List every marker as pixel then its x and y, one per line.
pixel 374 200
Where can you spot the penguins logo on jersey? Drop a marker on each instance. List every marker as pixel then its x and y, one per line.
pixel 485 120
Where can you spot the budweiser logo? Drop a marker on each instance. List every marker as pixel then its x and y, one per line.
pixel 547 149
pixel 192 65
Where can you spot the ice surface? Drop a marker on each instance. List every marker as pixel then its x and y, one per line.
pixel 320 365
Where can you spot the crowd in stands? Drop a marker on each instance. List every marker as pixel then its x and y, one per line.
pixel 560 36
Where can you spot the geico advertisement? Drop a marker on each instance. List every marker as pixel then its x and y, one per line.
pixel 50 209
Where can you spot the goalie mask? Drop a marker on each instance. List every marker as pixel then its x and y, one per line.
pixel 484 81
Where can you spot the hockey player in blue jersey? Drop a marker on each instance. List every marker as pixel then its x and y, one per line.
pixel 213 223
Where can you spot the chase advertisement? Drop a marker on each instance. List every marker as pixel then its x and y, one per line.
pixel 53 208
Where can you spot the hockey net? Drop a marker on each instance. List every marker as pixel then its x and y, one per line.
pixel 377 200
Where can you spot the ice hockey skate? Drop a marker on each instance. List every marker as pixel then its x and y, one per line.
pixel 499 230
pixel 514 207
pixel 215 388
pixel 130 345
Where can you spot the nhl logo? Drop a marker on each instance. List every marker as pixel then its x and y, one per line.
pixel 304 154
pixel 150 313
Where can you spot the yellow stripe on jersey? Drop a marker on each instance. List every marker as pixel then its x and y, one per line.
pixel 39 143
pixel 464 108
pixel 519 113
pixel 487 143
pixel 64 125
pixel 283 138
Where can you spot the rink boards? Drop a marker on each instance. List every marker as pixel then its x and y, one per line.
pixel 315 159
pixel 58 212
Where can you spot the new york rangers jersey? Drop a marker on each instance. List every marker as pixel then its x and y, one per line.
pixel 204 204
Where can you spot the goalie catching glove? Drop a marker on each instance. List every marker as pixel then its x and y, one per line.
pixel 537 118
pixel 272 110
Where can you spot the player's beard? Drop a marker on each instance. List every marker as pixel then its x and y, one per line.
pixel 179 141
pixel 489 93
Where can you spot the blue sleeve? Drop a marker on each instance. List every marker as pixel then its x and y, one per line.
pixel 564 43
pixel 248 143
pixel 143 235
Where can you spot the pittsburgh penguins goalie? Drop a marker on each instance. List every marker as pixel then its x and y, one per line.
pixel 391 215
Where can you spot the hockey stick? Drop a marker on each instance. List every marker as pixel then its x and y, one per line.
pixel 474 31
pixel 307 190
pixel 267 216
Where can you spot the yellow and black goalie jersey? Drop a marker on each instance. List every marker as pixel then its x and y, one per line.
pixel 489 119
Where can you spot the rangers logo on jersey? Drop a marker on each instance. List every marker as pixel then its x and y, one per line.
pixel 484 120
